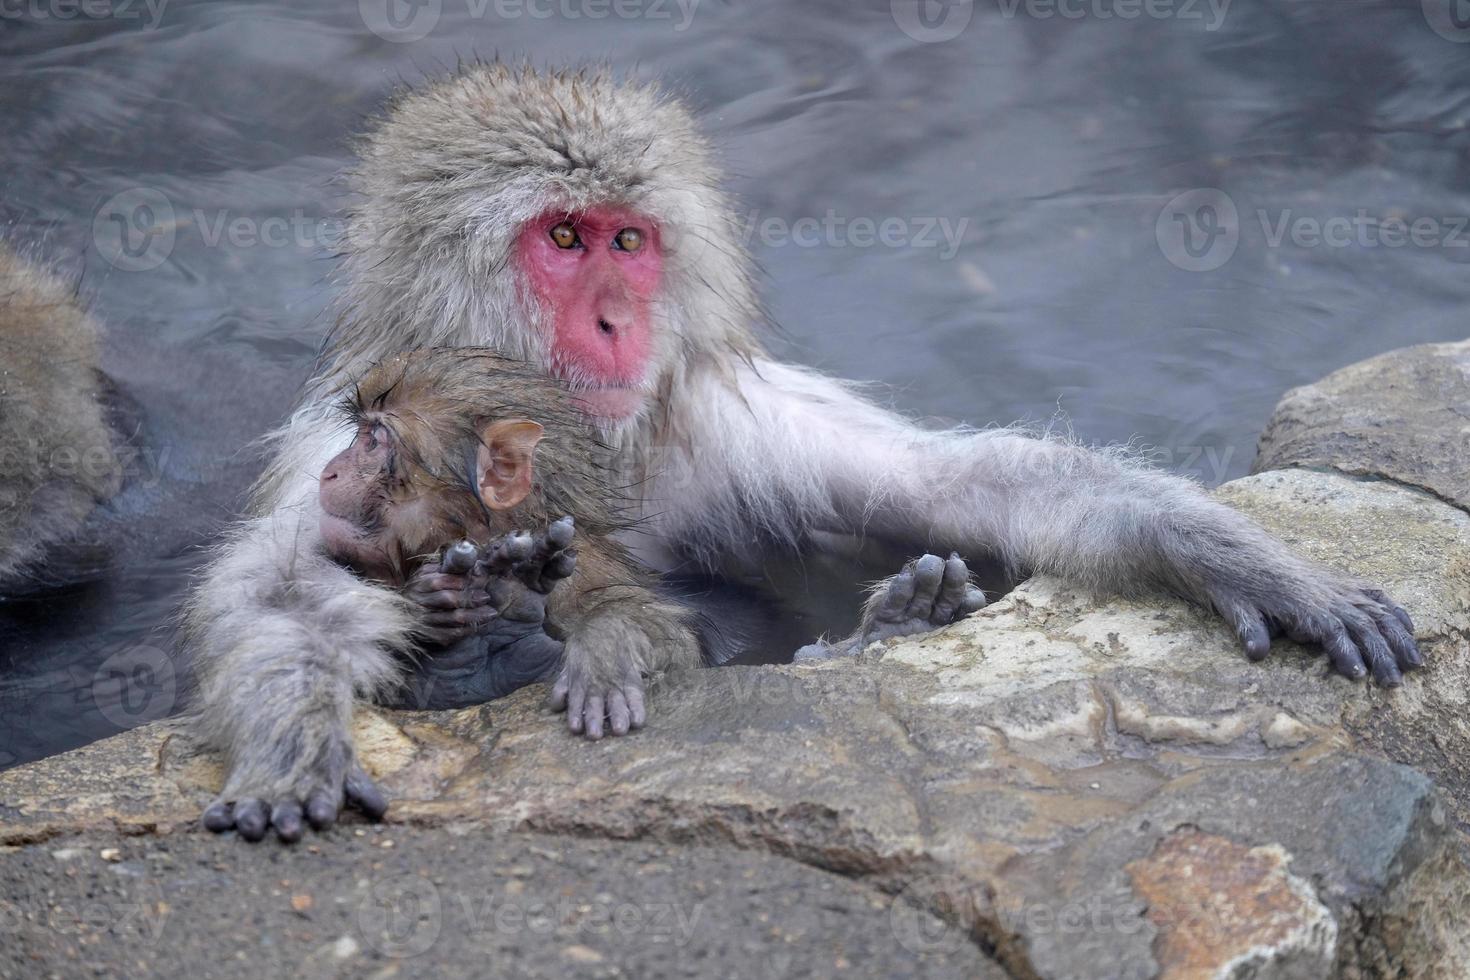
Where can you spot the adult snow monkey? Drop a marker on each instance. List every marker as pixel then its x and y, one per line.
pixel 577 223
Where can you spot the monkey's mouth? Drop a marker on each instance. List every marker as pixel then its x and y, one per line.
pixel 340 534
pixel 611 404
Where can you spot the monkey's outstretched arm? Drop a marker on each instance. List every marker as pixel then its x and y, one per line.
pixel 783 451
pixel 286 642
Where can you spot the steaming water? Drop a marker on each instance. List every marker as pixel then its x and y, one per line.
pixel 980 221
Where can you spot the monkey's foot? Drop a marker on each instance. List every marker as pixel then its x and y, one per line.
pixel 929 593
pixel 593 707
pixel 253 816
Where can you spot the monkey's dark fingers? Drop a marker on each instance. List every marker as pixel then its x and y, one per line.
pixel 429 578
pixel 560 567
pixel 1400 640
pixel 974 601
pixel 321 809
pixel 505 552
pixel 557 700
pixel 433 581
pixel 547 544
pixel 548 561
pixel 1341 650
pixel 1397 611
pixel 286 818
pixel 460 557
pixel 1373 648
pixel 633 692
pixel 1247 622
pixel 928 577
pixel 899 593
pixel 619 718
pixel 576 708
pixel 466 620
pixel 219 817
pixel 593 716
pixel 252 818
pixel 579 705
pixel 559 535
pixel 953 589
pixel 364 794
pixel 452 598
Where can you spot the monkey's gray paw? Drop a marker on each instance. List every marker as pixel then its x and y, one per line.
pixel 929 593
pixel 593 708
pixel 253 816
pixel 1361 629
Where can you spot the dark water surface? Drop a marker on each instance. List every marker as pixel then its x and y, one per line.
pixel 981 221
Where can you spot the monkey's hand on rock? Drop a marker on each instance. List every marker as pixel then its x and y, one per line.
pixel 1361 629
pixel 929 593
pixel 608 701
pixel 511 646
pixel 316 798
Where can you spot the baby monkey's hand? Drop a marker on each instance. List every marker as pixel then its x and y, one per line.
pixel 467 588
pixel 501 642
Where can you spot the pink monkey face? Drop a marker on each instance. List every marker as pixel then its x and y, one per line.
pixel 596 274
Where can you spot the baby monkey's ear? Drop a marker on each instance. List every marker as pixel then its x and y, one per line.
pixel 503 463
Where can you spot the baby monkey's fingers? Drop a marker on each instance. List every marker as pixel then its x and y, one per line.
pixel 551 557
pixel 504 553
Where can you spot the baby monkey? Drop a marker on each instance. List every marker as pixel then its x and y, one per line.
pixel 465 446
pixel 456 451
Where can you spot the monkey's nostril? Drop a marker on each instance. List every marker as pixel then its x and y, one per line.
pixel 606 327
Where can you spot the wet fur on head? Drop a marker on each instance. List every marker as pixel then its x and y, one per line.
pixel 454 171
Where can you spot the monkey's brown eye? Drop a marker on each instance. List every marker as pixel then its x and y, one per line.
pixel 629 239
pixel 565 236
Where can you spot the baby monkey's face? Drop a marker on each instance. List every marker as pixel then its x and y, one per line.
pixel 375 514
pixel 385 506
